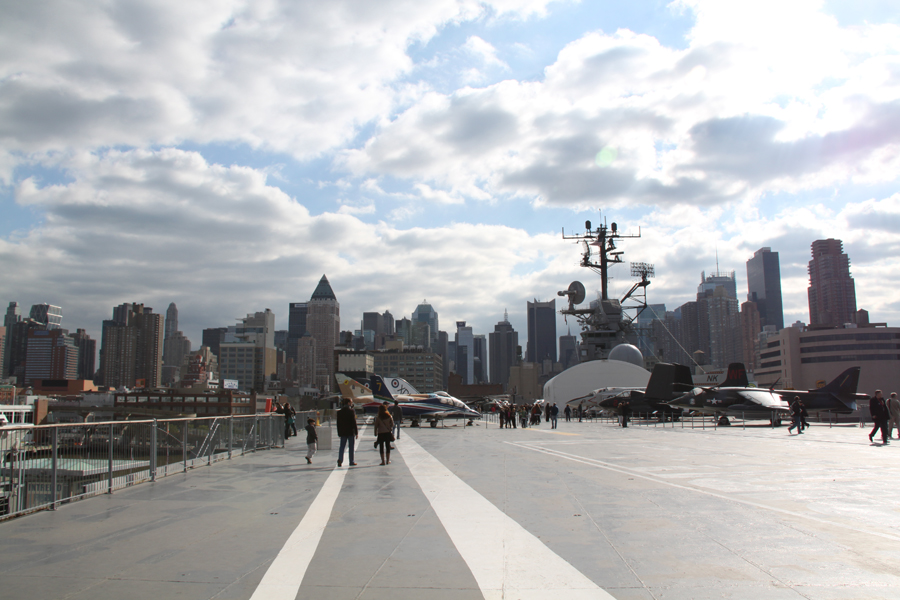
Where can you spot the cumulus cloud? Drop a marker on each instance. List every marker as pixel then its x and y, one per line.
pixel 685 141
pixel 163 226
pixel 749 107
pixel 295 77
pixel 483 50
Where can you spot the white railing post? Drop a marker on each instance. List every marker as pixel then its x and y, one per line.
pixel 153 451
pixel 53 496
pixel 111 437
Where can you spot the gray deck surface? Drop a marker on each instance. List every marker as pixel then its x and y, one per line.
pixel 641 512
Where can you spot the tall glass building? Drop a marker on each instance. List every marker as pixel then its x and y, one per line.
pixel 764 287
pixel 541 331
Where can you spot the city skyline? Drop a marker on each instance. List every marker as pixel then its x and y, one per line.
pixel 729 278
pixel 224 159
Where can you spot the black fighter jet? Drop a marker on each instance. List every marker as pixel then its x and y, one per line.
pixel 667 381
pixel 839 396
pixel 734 399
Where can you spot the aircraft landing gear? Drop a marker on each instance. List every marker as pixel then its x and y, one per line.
pixel 724 422
pixel 415 423
pixel 433 424
pixel 775 421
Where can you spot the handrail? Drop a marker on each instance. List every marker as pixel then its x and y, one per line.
pixel 42 466
pixel 30 426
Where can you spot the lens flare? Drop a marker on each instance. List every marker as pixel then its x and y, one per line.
pixel 606 157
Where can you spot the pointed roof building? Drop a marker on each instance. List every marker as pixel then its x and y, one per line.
pixel 323 291
pixel 323 322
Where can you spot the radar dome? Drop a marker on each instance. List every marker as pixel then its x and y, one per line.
pixel 627 353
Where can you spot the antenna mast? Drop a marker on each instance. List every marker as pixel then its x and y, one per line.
pixel 599 260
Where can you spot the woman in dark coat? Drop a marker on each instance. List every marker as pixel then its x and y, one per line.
pixel 384 426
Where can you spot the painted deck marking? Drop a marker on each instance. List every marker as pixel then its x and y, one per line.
pixel 658 479
pixel 282 580
pixel 501 554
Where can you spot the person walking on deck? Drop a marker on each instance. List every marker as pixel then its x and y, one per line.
pixel 312 438
pixel 384 427
pixel 893 404
pixel 347 431
pixel 879 412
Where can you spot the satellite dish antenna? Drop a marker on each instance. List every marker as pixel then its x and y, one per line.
pixel 576 292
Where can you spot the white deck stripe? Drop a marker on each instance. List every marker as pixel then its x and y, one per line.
pixel 282 580
pixel 508 562
pixel 626 471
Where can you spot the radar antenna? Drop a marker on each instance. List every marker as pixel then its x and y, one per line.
pixel 605 323
pixel 600 250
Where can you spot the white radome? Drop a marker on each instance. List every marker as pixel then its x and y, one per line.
pixel 627 353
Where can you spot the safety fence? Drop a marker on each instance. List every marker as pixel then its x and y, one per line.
pixel 43 466
pixel 689 420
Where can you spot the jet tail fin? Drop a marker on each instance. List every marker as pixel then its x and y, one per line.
pixel 380 391
pixel 844 384
pixel 667 381
pixel 736 376
pixel 350 388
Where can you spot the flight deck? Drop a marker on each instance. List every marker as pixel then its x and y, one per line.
pixel 588 510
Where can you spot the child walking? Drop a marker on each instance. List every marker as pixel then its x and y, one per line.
pixel 311 438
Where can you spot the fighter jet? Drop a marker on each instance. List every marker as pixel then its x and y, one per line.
pixel 733 399
pixel 667 381
pixel 839 396
pixel 353 390
pixel 430 407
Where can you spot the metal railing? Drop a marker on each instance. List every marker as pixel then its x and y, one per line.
pixel 43 466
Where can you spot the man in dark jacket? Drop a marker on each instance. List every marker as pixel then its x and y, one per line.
pixel 347 431
pixel 796 416
pixel 397 415
pixel 879 412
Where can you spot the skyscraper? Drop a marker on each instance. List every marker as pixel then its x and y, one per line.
pixel 481 358
pixel 131 347
pixel 323 321
pixel 425 313
pixel 718 316
pixel 372 330
pixel 51 355
pixel 388 323
pixel 16 344
pixel 832 293
pixel 750 330
pixel 502 348
pixel 87 354
pixel 176 347
pixel 49 315
pixel 171 321
pixel 568 351
pixel 247 353
pixel 723 321
pixel 709 283
pixel 213 337
pixel 541 331
pixel 465 353
pixel 296 327
pixel 404 330
pixel 9 320
pixel 764 287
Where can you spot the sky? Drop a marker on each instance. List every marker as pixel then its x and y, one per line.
pixel 225 155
